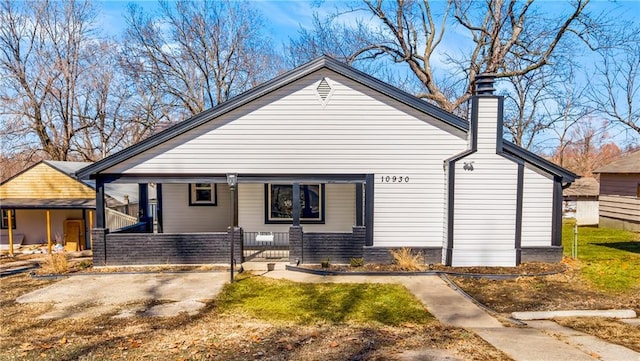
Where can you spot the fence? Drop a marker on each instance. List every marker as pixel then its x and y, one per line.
pixel 117 220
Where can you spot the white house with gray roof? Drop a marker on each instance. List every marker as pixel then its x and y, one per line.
pixel 373 169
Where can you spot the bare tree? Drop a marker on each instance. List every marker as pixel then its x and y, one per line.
pixel 507 38
pixel 26 78
pixel 615 91
pixel 63 94
pixel 527 94
pixel 545 101
pixel 567 110
pixel 195 55
pixel 42 60
pixel 589 148
pixel 108 107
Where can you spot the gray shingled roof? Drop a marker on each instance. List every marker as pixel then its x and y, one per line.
pixel 583 187
pixel 628 163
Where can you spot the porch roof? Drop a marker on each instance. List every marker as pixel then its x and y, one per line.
pixel 242 178
pixel 51 203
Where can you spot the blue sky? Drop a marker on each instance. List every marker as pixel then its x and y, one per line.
pixel 284 17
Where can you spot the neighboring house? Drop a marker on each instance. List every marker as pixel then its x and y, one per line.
pixel 581 201
pixel 47 200
pixel 620 193
pixel 372 169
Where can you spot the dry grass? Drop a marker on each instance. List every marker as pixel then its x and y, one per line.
pixel 407 260
pixel 564 291
pixel 607 329
pixel 212 335
pixel 56 263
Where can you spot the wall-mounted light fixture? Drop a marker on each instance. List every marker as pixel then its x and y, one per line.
pixel 232 179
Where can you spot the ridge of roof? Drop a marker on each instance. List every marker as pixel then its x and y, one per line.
pixel 628 163
pixel 266 88
pixel 291 76
pixel 64 167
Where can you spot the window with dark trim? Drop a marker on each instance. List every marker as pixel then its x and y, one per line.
pixel 5 219
pixel 203 194
pixel 279 203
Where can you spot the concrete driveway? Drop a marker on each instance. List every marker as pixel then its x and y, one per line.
pixel 86 296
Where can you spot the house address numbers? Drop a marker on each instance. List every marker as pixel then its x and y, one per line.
pixel 394 179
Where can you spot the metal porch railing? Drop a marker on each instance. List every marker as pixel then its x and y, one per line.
pixel 266 245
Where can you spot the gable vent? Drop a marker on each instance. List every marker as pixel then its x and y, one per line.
pixel 323 89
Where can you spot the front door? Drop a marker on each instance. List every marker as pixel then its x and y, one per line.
pixel 73 234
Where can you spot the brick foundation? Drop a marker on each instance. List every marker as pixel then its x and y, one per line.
pixel 126 249
pixel 382 255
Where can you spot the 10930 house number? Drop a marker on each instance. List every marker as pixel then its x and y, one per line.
pixel 394 179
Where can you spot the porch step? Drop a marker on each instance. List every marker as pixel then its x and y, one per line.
pixel 262 265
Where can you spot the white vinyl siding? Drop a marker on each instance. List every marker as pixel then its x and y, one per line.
pixel 179 217
pixel 487 124
pixel 339 209
pixel 485 200
pixel 537 209
pixel 485 211
pixel 357 131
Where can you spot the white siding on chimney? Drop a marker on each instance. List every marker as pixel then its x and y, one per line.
pixel 487 124
pixel 358 130
pixel 537 209
pixel 179 217
pixel 485 199
pixel 485 211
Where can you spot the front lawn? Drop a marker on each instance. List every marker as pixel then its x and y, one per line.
pixel 305 303
pixel 256 318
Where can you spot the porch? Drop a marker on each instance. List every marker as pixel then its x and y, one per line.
pixel 246 216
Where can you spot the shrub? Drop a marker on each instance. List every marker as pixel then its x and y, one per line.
pixel 325 263
pixel 356 262
pixel 406 259
pixel 56 263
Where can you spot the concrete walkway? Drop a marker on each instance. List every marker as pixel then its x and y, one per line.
pixel 450 307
